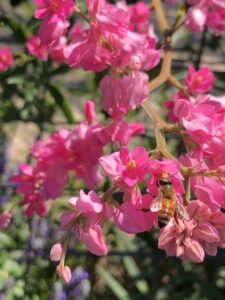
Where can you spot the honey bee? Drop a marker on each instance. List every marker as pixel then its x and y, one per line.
pixel 166 202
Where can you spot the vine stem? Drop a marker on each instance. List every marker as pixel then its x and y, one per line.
pixel 164 76
pixel 162 20
pixel 108 193
pixel 81 14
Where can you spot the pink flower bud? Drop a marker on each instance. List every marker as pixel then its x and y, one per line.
pixel 56 252
pixel 64 273
pixel 196 18
pixel 93 239
pixel 90 111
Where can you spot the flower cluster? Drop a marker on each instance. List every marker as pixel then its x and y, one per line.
pixel 117 36
pixel 189 240
pixel 76 150
pixel 206 13
pixel 188 191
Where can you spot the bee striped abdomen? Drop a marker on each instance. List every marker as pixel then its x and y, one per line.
pixel 167 212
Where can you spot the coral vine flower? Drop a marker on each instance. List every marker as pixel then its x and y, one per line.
pixel 35 47
pixel 121 131
pixel 110 41
pixel 203 119
pixel 130 218
pixel 51 30
pixel 140 12
pixel 200 81
pixel 189 240
pixel 121 95
pixel 47 8
pixel 204 12
pixel 208 189
pixel 196 18
pixel 57 52
pixel 156 168
pixel 6 59
pixel 86 218
pixel 125 168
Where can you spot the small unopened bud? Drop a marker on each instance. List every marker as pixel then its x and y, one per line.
pixel 64 273
pixel 56 252
pixel 90 111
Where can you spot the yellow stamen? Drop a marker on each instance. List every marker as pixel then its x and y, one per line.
pixel 131 165
pixel 199 79
pixel 53 5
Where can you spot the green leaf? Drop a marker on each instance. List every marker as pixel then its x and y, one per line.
pixel 62 103
pixel 131 266
pixel 60 70
pixel 15 79
pixel 117 289
pixel 135 273
pixel 18 30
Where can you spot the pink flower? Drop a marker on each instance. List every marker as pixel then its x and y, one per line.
pixel 110 41
pixel 130 218
pixel 196 18
pixel 86 217
pixel 52 29
pixel 86 145
pixel 124 168
pixel 64 272
pixel 53 148
pixel 87 52
pixel 91 206
pixel 5 219
pixel 176 239
pixel 140 12
pixel 57 52
pixel 47 8
pixel 207 189
pixel 190 239
pixel 170 167
pixel 30 183
pixel 93 239
pixel 121 95
pixel 215 20
pixel 200 81
pixel 121 131
pixel 88 203
pixel 34 204
pixel 204 12
pixel 109 18
pixel 139 16
pixel 6 59
pixel 67 219
pixel 36 49
pixel 56 176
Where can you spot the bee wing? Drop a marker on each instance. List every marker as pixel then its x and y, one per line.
pixel 156 204
pixel 182 210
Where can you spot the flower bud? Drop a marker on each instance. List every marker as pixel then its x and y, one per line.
pixel 64 273
pixel 56 252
